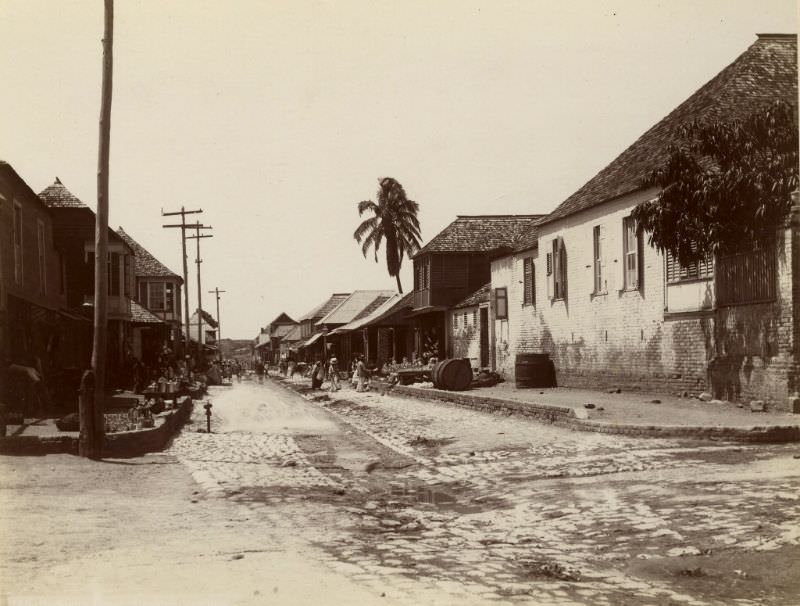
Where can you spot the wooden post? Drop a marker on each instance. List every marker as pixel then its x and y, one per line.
pixel 92 422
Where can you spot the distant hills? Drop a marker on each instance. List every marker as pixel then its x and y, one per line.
pixel 240 349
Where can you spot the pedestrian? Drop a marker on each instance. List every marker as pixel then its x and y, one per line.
pixel 260 371
pixel 333 375
pixel 361 372
pixel 317 375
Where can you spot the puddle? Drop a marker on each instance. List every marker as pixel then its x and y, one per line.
pixel 439 497
pixel 422 494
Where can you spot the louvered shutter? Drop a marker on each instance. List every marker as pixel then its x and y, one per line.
pixel 527 267
pixel 550 293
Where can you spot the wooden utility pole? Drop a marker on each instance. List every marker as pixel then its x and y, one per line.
pixel 182 225
pixel 217 292
pixel 197 227
pixel 92 396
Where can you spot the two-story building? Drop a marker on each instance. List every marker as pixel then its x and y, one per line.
pixel 454 264
pixel 74 236
pixel 35 328
pixel 609 308
pixel 158 290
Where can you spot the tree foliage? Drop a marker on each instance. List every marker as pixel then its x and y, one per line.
pixel 394 218
pixel 728 182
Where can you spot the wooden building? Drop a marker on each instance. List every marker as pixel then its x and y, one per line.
pixel 453 265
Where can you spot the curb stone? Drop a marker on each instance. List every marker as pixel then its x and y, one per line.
pixel 123 444
pixel 565 416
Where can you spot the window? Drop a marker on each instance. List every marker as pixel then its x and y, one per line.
pixel 17 243
pixel 675 272
pixel 475 317
pixel 529 286
pixel 455 321
pixel 598 238
pixel 747 275
pixel 113 274
pixel 143 293
pixel 211 336
pixel 501 303
pixel 155 298
pixel 632 250
pixel 170 303
pixel 422 274
pixel 466 323
pixel 126 275
pixel 557 262
pixel 41 257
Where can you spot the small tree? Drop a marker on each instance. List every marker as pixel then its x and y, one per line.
pixel 394 219
pixel 728 182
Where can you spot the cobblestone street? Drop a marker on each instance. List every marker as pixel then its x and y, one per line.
pixel 424 502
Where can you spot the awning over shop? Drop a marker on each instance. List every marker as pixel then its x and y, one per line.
pixel 426 310
pixel 365 321
pixel 313 339
pixel 140 315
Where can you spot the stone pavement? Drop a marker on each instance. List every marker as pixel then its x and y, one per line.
pixel 491 509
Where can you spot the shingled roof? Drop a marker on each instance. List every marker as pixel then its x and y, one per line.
pixel 481 233
pixel 140 315
pixel 146 265
pixel 764 73
pixel 58 196
pixel 479 296
pixel 326 307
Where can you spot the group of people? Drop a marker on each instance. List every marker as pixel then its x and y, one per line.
pixel 359 374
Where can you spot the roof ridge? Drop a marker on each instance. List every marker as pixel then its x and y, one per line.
pixel 764 72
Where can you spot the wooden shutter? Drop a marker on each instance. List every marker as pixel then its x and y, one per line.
pixel 562 267
pixel 603 256
pixel 550 277
pixel 527 270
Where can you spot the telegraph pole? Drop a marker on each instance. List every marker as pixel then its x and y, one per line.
pixel 182 225
pixel 197 227
pixel 93 382
pixel 217 292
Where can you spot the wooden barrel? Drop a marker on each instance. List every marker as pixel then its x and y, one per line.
pixel 435 374
pixel 455 374
pixel 534 370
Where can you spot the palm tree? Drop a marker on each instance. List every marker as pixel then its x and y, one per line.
pixel 395 219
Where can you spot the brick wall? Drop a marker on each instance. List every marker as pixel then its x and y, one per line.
pixel 654 337
pixel 464 335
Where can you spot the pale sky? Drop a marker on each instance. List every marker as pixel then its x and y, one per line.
pixel 278 117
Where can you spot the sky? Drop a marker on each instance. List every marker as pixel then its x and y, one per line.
pixel 278 117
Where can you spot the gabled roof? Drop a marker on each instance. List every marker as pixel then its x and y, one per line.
pixel 479 296
pixel 480 233
pixel 281 330
pixel 325 307
pixel 58 196
pixel 405 302
pixel 383 305
pixel 146 265
pixel 353 305
pixel 764 73
pixel 283 318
